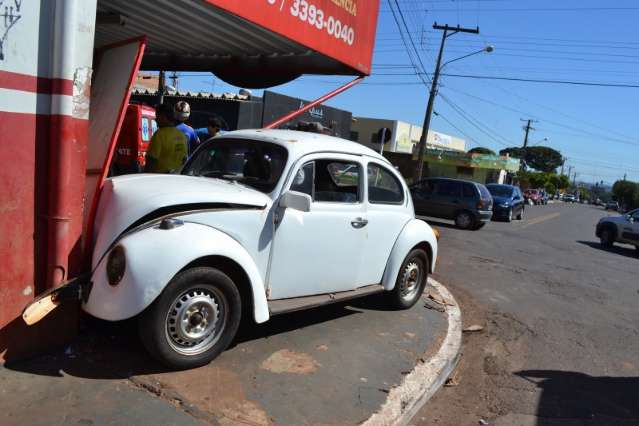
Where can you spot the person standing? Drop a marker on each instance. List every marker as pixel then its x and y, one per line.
pixel 213 128
pixel 168 149
pixel 182 112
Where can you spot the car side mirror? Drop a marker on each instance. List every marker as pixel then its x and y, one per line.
pixel 296 201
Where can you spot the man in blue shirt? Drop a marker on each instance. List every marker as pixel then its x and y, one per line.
pixel 182 112
pixel 214 127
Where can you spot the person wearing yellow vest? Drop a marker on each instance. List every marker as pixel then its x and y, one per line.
pixel 168 149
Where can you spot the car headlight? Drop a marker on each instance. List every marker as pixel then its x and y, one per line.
pixel 116 265
pixel 504 205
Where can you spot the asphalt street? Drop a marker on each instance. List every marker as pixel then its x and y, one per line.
pixel 560 339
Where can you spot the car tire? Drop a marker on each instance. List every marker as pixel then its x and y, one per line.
pixel 509 216
pixel 520 216
pixel 193 320
pixel 464 220
pixel 607 238
pixel 411 280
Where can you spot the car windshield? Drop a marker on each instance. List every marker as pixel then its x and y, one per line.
pixel 500 190
pixel 254 163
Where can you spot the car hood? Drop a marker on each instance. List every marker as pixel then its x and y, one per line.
pixel 135 199
pixel 614 219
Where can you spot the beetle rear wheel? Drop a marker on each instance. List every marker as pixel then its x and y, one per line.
pixel 193 320
pixel 411 280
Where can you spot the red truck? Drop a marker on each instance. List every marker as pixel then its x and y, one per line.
pixel 138 127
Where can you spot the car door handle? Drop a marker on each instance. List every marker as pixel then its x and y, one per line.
pixel 359 222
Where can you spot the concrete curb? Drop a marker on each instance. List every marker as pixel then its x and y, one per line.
pixel 420 385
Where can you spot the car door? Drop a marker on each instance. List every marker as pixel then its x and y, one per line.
pixel 518 201
pixel 320 251
pixel 422 194
pixel 448 195
pixel 630 229
pixel 387 213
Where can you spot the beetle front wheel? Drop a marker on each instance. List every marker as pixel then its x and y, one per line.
pixel 193 320
pixel 411 280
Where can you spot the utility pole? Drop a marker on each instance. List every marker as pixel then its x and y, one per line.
pixel 161 85
pixel 433 91
pixel 574 178
pixel 563 160
pixel 528 128
pixel 174 80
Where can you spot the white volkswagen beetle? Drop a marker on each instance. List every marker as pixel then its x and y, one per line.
pixel 258 221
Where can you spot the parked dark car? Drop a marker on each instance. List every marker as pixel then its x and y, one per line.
pixel 469 204
pixel 612 205
pixel 508 202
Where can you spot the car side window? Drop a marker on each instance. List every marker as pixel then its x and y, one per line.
pixel 635 216
pixel 336 181
pixel 383 186
pixel 448 189
pixel 426 187
pixel 303 181
pixel 469 191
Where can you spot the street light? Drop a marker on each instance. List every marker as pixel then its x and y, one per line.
pixel 431 102
pixel 487 49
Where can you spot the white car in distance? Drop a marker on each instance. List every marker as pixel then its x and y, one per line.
pixel 260 222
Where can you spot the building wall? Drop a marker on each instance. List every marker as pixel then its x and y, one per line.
pixel 276 105
pixel 45 70
pixel 405 135
pixel 364 130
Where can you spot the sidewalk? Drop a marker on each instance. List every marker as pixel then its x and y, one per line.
pixel 331 365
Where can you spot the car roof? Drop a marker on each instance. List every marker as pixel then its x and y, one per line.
pixel 452 180
pixel 501 184
pixel 300 143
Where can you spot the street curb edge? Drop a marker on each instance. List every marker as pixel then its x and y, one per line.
pixel 420 385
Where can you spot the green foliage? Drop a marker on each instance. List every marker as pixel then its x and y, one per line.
pixel 541 158
pixel 482 150
pixel 626 193
pixel 551 182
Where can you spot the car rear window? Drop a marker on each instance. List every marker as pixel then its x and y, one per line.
pixel 484 192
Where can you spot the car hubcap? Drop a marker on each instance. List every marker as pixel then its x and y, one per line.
pixel 196 320
pixel 411 280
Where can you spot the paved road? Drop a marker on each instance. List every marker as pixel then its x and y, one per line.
pixel 560 343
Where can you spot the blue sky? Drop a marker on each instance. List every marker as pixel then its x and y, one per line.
pixel 596 128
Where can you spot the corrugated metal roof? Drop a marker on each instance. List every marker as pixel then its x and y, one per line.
pixel 203 95
pixel 192 35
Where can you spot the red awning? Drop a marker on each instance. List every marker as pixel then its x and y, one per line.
pixel 249 43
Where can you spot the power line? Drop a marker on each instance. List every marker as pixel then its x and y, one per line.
pixel 476 123
pixel 533 80
pixel 408 52
pixel 547 120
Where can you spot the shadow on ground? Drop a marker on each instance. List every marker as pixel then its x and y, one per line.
pixel 580 397
pixel 112 350
pixel 622 250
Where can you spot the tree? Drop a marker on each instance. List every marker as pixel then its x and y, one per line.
pixel 481 150
pixel 542 158
pixel 626 193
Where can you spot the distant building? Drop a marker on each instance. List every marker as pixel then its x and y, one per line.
pixel 405 136
pixel 445 155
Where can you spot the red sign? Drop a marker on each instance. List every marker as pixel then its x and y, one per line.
pixel 340 29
